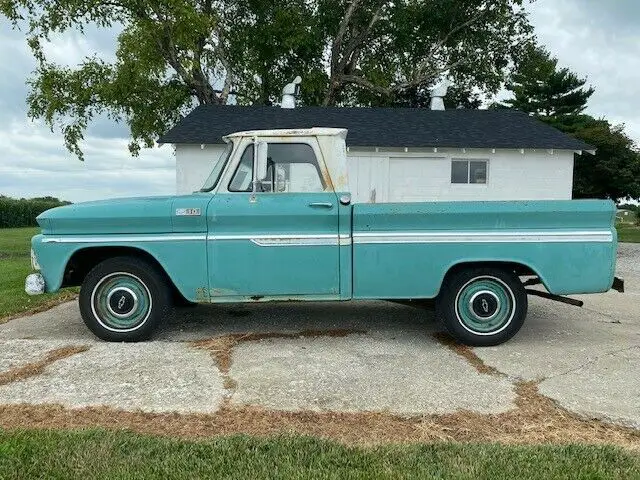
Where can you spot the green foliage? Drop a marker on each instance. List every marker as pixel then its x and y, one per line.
pixel 93 454
pixel 539 87
pixel 629 206
pixel 23 212
pixel 557 97
pixel 174 54
pixel 614 171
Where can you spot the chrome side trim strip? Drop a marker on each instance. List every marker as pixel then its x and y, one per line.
pixel 124 238
pixel 358 238
pixel 287 240
pixel 271 236
pixel 483 237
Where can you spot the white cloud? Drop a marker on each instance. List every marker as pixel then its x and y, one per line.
pixel 600 41
pixel 35 163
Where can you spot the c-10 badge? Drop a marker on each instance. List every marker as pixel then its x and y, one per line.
pixel 187 212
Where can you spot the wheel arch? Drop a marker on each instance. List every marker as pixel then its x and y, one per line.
pixel 520 268
pixel 84 259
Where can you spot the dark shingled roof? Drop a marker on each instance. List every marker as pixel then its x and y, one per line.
pixel 380 127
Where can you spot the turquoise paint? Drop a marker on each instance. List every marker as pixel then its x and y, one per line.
pixel 416 270
pixel 184 262
pixel 239 270
pixel 242 268
pixel 562 215
pixel 346 257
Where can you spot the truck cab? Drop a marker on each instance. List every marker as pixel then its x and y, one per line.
pixel 277 215
pixel 274 221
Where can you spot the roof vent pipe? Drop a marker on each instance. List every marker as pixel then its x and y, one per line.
pixel 438 92
pixel 290 92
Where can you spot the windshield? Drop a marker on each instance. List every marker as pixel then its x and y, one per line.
pixel 212 181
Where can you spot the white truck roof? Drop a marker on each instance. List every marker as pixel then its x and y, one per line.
pixel 292 132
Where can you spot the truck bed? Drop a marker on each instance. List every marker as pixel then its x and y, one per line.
pixel 404 250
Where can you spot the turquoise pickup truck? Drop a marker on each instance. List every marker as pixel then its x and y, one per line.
pixel 274 222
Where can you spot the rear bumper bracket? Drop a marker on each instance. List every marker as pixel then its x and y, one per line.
pixel 618 284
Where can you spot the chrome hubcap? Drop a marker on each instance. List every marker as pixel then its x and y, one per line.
pixel 484 304
pixel 122 302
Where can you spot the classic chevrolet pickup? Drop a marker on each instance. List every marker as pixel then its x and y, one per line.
pixel 274 221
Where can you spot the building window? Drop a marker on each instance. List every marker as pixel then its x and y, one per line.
pixel 469 171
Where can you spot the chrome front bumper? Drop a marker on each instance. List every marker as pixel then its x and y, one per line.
pixel 34 284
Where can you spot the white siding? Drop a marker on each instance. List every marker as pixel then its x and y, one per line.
pixel 422 175
pixel 426 176
pixel 193 165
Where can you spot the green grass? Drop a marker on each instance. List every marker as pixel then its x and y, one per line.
pixel 15 265
pixel 97 454
pixel 628 233
pixel 16 241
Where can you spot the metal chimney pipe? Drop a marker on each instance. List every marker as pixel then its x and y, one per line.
pixel 289 93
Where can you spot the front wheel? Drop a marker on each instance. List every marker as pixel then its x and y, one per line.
pixel 482 306
pixel 124 299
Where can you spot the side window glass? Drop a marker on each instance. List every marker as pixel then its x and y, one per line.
pixel 241 181
pixel 293 168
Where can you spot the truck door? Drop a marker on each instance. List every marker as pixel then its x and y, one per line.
pixel 279 240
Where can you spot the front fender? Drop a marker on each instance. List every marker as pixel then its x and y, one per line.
pixel 183 257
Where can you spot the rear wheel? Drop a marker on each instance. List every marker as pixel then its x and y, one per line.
pixel 124 299
pixel 482 306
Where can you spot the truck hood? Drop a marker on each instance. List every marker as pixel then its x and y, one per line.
pixel 124 215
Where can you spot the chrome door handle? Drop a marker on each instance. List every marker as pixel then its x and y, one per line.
pixel 321 204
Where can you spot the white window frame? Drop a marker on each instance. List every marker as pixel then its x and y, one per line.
pixel 468 161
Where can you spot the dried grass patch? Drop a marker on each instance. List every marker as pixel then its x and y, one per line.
pixel 468 354
pixel 537 420
pixel 221 348
pixel 36 368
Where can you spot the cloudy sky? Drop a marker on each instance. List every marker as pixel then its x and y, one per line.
pixel 597 39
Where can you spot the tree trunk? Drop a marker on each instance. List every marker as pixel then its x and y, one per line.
pixel 331 97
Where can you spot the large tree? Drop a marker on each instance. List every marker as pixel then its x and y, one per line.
pixel 175 54
pixel 614 171
pixel 558 97
pixel 540 87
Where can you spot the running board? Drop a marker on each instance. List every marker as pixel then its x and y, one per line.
pixel 557 298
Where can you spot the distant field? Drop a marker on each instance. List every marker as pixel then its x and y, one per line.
pixel 628 233
pixel 15 265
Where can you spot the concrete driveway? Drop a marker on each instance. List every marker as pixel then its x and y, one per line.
pixel 347 357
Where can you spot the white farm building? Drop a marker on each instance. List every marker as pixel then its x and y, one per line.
pixel 403 154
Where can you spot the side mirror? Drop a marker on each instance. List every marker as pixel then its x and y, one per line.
pixel 261 161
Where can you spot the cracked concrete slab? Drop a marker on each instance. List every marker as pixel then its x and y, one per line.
pixel 607 387
pixel 62 322
pixel 407 375
pixel 152 377
pixel 18 353
pixel 556 338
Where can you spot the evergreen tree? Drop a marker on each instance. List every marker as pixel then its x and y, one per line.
pixel 541 88
pixel 559 97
